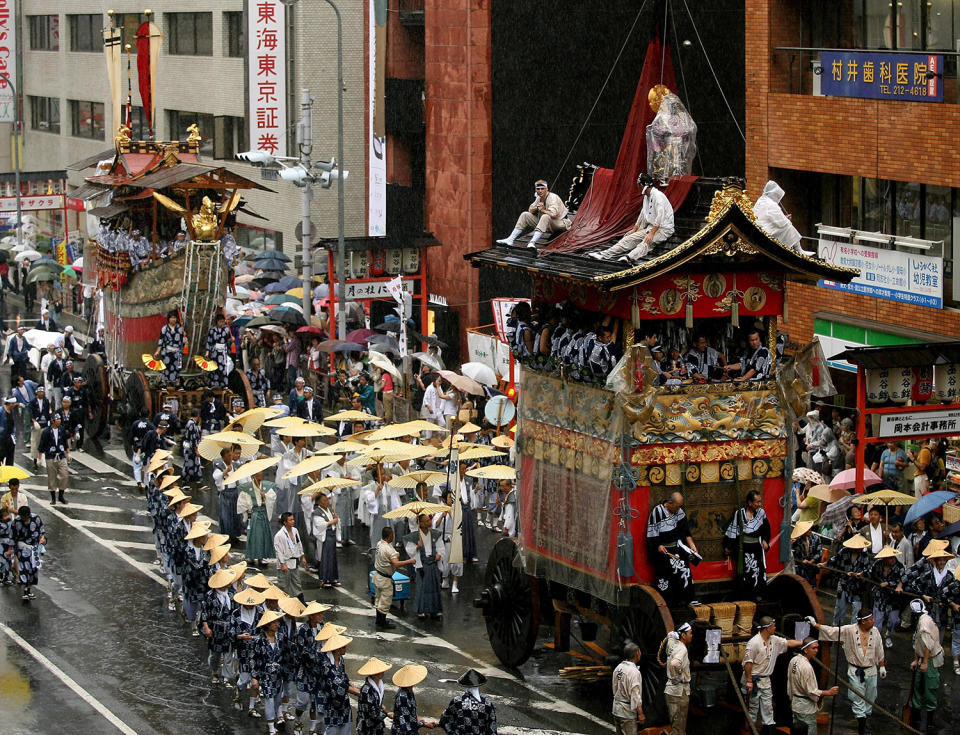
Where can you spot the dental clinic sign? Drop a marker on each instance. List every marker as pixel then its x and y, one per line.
pixel 8 60
pixel 886 274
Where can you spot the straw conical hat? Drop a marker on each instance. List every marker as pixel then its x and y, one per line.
pixel 218 552
pixel 934 545
pixel 328 631
pixel 409 675
pixel 157 462
pixel 248 596
pixel 801 528
pixel 504 442
pixel 374 666
pixel 259 582
pixel 857 542
pixel 335 643
pixel 887 552
pixel 178 497
pixel 268 617
pixel 172 491
pixel 168 481
pixel 189 509
pixel 198 530
pixel 221 578
pixel 215 540
pixel 273 593
pixel 291 606
pixel 315 608
pixel 240 568
pixel 940 554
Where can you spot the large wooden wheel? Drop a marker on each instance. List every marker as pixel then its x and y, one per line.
pixel 240 386
pixel 645 622
pixel 95 379
pixel 510 606
pixel 137 400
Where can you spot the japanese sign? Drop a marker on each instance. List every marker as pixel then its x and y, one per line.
pixel 267 76
pixel 887 274
pixel 8 60
pixel 32 203
pixel 919 423
pixel 916 77
pixel 358 290
pixel 490 351
pixel 377 140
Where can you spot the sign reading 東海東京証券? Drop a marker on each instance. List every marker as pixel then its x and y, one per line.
pixel 884 76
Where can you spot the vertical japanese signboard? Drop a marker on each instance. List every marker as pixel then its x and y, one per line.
pixel 911 77
pixel 8 60
pixel 377 158
pixel 267 76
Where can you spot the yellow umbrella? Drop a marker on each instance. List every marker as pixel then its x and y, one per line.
pixel 827 494
pixel 481 453
pixel 251 468
pixel 307 429
pixel 417 508
pixel 390 457
pixel 412 479
pixel 884 497
pixel 351 416
pixel 494 472
pixel 421 425
pixel 210 448
pixel 391 432
pixel 310 464
pixel 12 472
pixel 283 422
pixel 388 445
pixel 343 447
pixel 328 483
pixel 459 441
pixel 234 437
pixel 253 419
pixel 296 292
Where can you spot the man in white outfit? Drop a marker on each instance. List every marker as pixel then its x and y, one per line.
pixel 655 224
pixel 774 221
pixel 548 213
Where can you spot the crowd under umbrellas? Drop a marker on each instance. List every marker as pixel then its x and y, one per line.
pixel 323 481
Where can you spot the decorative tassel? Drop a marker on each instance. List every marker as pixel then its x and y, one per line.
pixel 689 309
pixel 786 317
pixel 735 305
pixel 635 310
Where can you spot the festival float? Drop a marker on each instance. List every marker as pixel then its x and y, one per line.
pixel 594 458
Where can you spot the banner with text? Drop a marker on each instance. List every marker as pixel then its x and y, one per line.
pixel 8 60
pixel 919 423
pixel 267 76
pixel 887 274
pixel 883 76
pixel 376 127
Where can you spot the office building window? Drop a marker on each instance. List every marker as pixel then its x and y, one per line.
pixel 178 122
pixel 233 34
pixel 129 22
pixel 138 124
pixel 253 238
pixel 86 119
pixel 86 32
pixel 45 114
pixel 907 24
pixel 230 136
pixel 190 34
pixel 44 32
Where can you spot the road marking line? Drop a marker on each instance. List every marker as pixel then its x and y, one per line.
pixel 117 526
pixel 146 569
pixel 96 508
pixel 134 545
pixel 96 465
pixel 73 685
pixel 557 704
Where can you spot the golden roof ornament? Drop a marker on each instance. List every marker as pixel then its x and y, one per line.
pixel 193 135
pixel 205 222
pixel 655 97
pixel 732 194
pixel 122 138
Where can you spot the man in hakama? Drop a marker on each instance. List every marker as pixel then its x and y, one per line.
pixel 425 546
pixel 323 526
pixel 746 541
pixel 672 550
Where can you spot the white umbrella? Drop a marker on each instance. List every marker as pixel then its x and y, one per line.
pixel 78 263
pixel 30 255
pixel 242 293
pixel 479 372
pixel 383 362
pixel 427 359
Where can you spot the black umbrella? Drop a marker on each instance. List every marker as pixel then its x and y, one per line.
pixel 384 343
pixel 280 315
pixel 429 339
pixel 348 347
pixel 259 321
pixel 261 254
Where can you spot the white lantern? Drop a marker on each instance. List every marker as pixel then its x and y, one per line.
pixel 411 260
pixel 878 385
pixel 901 384
pixel 360 263
pixel 946 381
pixel 394 261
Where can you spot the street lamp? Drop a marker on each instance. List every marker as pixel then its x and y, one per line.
pixel 341 247
pixel 16 156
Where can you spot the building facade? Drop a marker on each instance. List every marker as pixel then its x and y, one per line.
pixel 852 109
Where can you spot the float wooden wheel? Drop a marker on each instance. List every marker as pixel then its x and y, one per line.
pixel 95 379
pixel 137 401
pixel 240 386
pixel 645 622
pixel 510 604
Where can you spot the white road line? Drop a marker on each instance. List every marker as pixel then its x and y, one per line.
pixel 146 569
pixel 73 685
pixel 117 526
pixel 134 545
pixel 96 465
pixel 96 508
pixel 558 705
pixel 37 487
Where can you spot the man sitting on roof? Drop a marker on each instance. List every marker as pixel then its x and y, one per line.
pixel 548 213
pixel 774 221
pixel 655 224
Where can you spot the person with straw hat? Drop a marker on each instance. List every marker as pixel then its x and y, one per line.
pixel 887 572
pixel 215 619
pixel 196 571
pixel 249 607
pixel 405 719
pixel 807 550
pixel 866 660
pixel 292 610
pixel 851 563
pixel 171 528
pixel 270 666
pixel 370 709
pixel 227 493
pixel 470 713
pixel 803 689
pixel 931 580
pixel 337 687
pixel 927 660
pixel 307 664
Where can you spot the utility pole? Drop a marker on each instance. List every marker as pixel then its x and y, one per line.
pixel 305 141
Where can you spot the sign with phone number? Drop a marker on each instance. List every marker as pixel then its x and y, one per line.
pixel 883 76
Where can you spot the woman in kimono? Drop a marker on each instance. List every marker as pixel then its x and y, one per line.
pixel 269 665
pixel 746 540
pixel 370 709
pixel 219 342
pixel 253 504
pixel 426 546
pixel 405 720
pixel 247 611
pixel 6 546
pixel 227 494
pixel 28 535
pixel 215 618
pixel 170 348
pixel 192 468
pixel 323 526
pixel 337 687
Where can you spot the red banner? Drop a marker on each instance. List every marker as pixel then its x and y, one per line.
pixel 143 73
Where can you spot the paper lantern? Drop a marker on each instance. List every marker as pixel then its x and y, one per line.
pixel 946 381
pixel 411 260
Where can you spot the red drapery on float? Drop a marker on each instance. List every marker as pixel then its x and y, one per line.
pixel 613 201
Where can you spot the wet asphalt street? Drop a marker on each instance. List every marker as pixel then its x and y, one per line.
pixel 98 651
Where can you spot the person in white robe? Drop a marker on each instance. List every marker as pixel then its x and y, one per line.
pixel 443 522
pixel 774 221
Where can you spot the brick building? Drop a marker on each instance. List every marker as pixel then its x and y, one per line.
pixel 878 172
